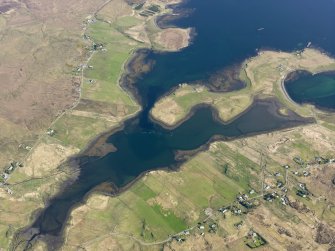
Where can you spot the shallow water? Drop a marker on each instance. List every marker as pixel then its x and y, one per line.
pixel 140 150
pixel 318 89
pixel 227 33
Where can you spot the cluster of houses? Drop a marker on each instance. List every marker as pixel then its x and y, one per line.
pixel 25 147
pixel 245 201
pixel 11 168
pixel 277 192
pixel 86 37
pixel 91 21
pixel 270 197
pixel 150 11
pixel 318 160
pixel 301 189
pixel 81 67
pixel 91 81
pixel 6 174
pixel 94 46
pixel 238 225
pixel 254 240
pixel 98 47
pixel 235 210
pixel 51 132
pixel 208 225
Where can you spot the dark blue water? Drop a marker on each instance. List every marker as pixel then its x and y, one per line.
pixel 227 33
pixel 318 89
pixel 140 150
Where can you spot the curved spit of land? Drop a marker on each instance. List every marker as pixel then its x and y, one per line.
pixel 265 75
pixel 317 89
pixel 142 145
pixel 139 151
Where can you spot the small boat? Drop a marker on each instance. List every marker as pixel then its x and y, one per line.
pixel 309 44
pixel 260 29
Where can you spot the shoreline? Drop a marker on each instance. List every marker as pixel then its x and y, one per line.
pixel 104 134
pixel 197 107
pixel 71 160
pixel 259 91
pixel 191 153
pixel 183 156
pixel 274 106
pixel 174 168
pixel 319 109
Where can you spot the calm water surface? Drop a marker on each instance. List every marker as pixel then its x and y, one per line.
pixel 227 33
pixel 318 89
pixel 140 150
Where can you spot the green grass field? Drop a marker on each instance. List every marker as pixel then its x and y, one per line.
pixel 263 75
pixel 161 203
pixel 78 130
pixel 108 65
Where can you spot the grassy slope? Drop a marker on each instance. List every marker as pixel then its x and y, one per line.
pixel 263 77
pixel 73 130
pixel 80 125
pixel 161 204
pixel 150 198
pixel 108 65
pixel 79 130
pixel 186 98
pixel 107 69
pixel 164 203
